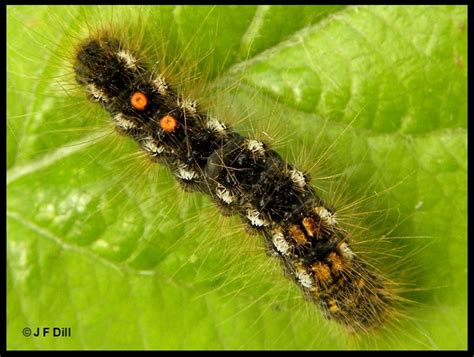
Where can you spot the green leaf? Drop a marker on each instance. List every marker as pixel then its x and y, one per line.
pixel 103 242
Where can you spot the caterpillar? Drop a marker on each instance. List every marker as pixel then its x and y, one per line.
pixel 90 217
pixel 243 177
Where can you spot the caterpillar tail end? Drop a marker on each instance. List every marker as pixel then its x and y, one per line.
pixel 352 293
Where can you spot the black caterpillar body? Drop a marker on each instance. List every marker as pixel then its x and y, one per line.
pixel 242 176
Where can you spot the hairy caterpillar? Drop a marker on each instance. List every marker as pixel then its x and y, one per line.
pixel 242 175
pixel 318 344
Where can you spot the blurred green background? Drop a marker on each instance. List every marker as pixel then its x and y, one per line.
pixel 101 242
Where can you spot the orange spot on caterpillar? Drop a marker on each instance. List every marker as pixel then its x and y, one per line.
pixel 321 272
pixel 333 306
pixel 337 263
pixel 298 235
pixel 168 123
pixel 139 100
pixel 310 227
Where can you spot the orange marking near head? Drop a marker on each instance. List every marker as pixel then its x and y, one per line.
pixel 168 123
pixel 139 100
